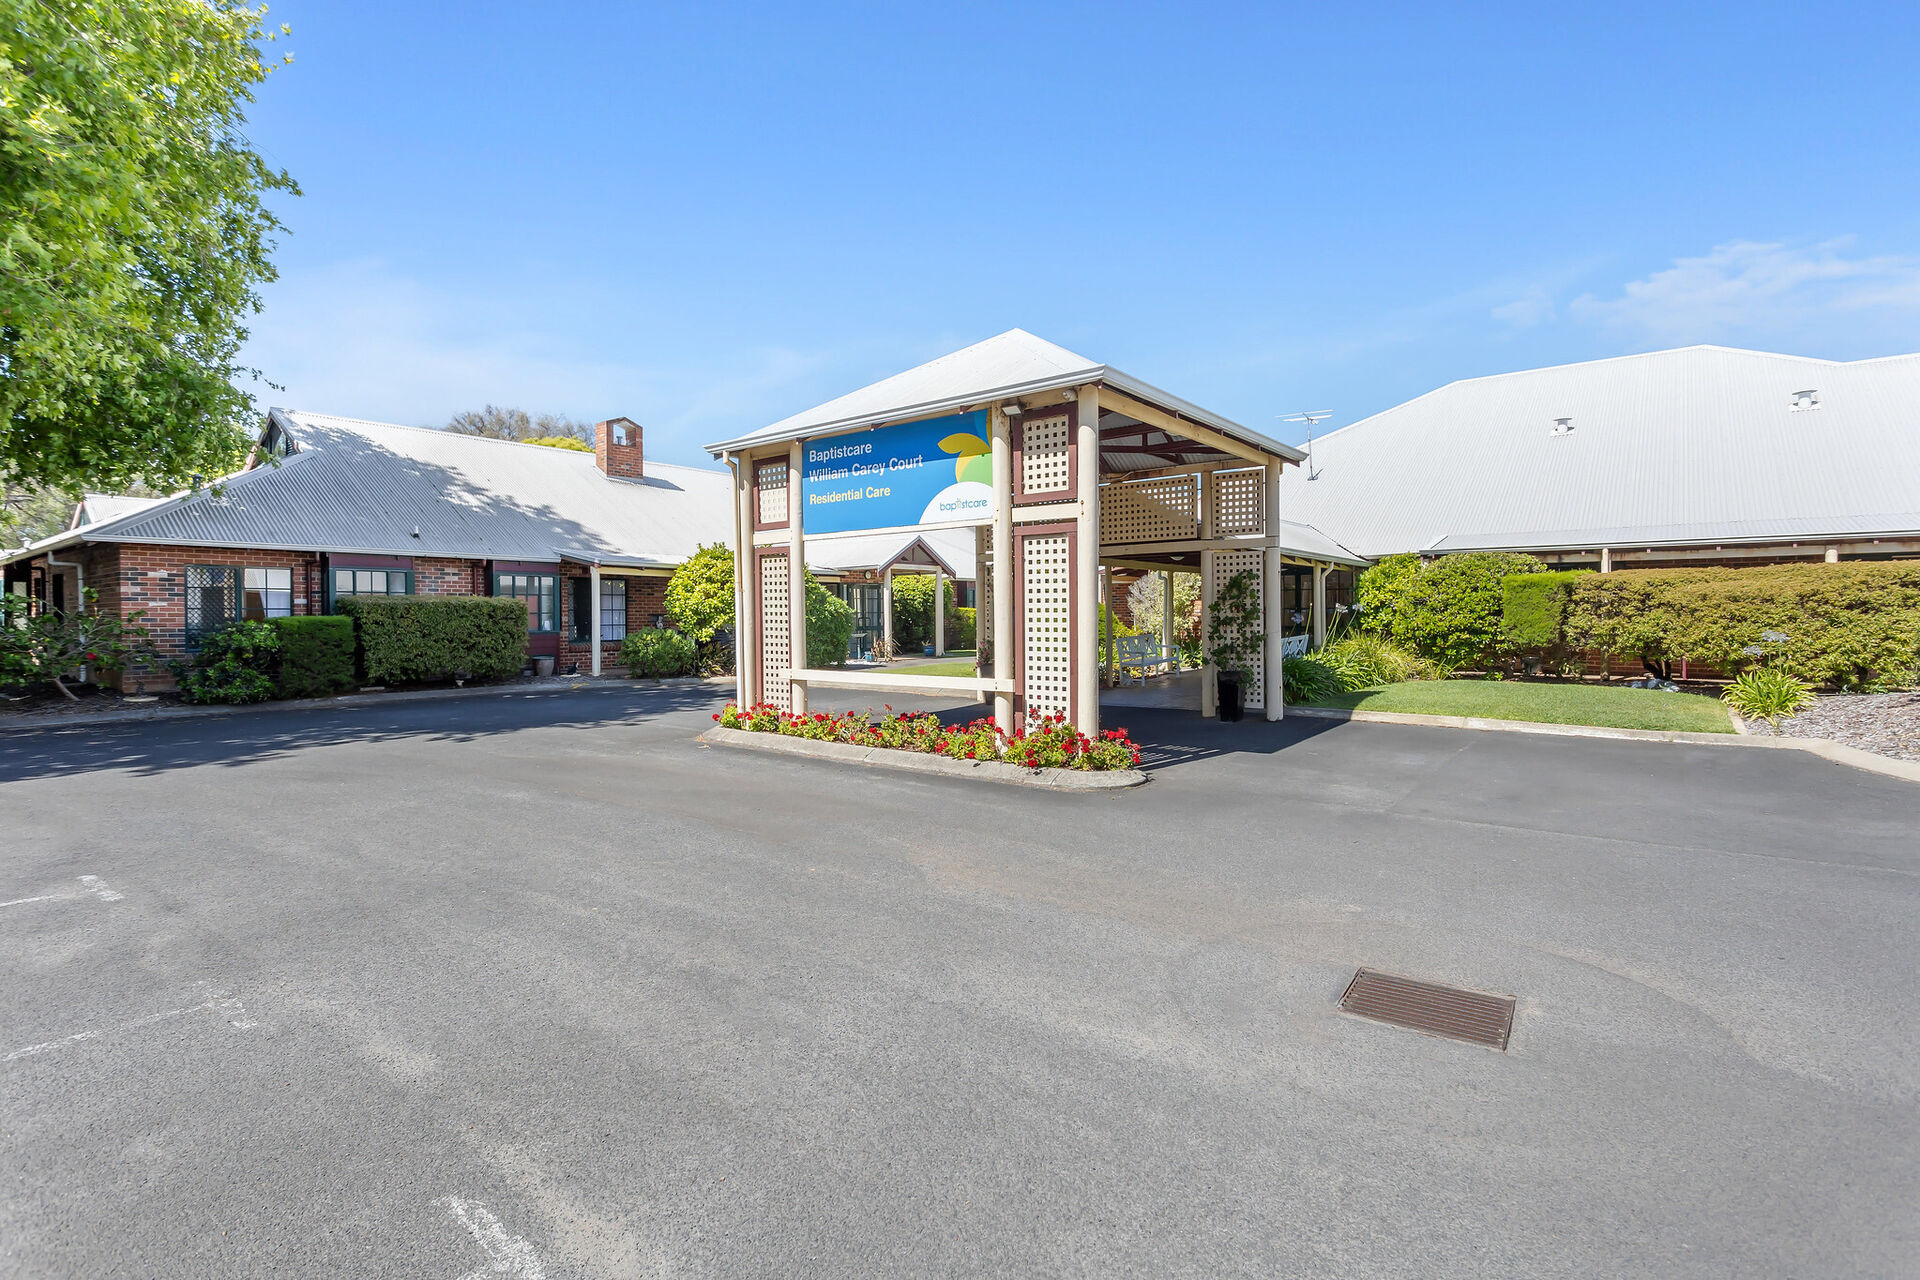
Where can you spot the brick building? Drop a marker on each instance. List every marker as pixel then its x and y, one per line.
pixel 330 507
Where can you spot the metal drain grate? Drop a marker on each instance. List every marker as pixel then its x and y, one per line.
pixel 1473 1016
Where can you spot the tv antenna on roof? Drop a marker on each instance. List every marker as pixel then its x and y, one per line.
pixel 1309 416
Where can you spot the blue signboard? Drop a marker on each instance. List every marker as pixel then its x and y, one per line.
pixel 939 471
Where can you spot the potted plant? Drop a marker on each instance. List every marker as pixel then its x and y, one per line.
pixel 1234 640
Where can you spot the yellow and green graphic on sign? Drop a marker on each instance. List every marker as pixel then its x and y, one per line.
pixel 975 460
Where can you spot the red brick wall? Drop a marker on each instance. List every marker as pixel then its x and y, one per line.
pixel 440 577
pixel 645 597
pixel 155 579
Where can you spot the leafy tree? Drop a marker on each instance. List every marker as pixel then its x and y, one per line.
pixel 829 626
pixel 561 442
pixel 700 593
pixel 46 647
pixel 913 610
pixel 134 236
pixel 1384 593
pixel 1455 615
pixel 497 423
pixel 28 515
pixel 1147 597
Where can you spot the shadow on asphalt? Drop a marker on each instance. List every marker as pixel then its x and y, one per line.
pixel 1169 737
pixel 154 746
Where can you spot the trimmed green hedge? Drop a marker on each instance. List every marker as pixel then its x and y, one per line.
pixel 1855 625
pixel 316 657
pixel 1448 609
pixel 655 652
pixel 407 638
pixel 1534 608
pixel 963 629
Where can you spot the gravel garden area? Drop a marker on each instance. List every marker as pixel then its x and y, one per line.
pixel 1887 724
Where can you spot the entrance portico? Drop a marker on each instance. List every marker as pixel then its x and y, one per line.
pixel 1058 465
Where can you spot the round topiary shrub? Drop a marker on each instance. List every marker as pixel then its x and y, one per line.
pixel 657 653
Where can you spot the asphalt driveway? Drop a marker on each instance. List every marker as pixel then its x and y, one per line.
pixel 539 986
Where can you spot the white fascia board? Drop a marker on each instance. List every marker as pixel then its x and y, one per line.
pixel 910 412
pixel 1057 382
pixel 1174 404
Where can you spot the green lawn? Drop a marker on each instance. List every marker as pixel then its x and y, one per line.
pixel 1613 708
pixel 936 669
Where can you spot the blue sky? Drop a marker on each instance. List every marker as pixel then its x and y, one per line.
pixel 707 217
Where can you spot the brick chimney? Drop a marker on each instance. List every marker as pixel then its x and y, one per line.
pixel 616 448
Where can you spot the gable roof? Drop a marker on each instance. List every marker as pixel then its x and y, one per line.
pixel 98 508
pixel 357 486
pixel 1006 366
pixel 1694 445
pixel 848 552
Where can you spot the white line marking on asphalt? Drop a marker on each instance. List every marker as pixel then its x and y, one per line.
pixel 507 1255
pixel 224 1004
pixel 88 884
pixel 100 889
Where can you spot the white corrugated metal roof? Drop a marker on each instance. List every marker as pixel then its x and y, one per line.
pixel 1009 365
pixel 845 553
pixel 98 508
pixel 370 486
pixel 1699 444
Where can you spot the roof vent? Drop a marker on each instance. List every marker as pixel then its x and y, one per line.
pixel 1563 426
pixel 1809 399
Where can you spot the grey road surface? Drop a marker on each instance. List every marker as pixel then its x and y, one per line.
pixel 541 987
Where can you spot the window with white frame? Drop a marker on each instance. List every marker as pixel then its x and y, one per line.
pixel 371 582
pixel 268 593
pixel 613 609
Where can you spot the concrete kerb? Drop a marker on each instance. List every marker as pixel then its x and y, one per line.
pixel 1825 748
pixel 920 762
pixel 557 684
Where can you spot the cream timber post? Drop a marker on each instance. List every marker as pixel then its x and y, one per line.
pixel 939 613
pixel 1085 663
pixel 1166 617
pixel 982 619
pixel 1106 624
pixel 593 612
pixel 1002 567
pixel 886 611
pixel 1273 616
pixel 742 557
pixel 1319 605
pixel 796 575
pixel 746 600
pixel 1209 691
pixel 1606 559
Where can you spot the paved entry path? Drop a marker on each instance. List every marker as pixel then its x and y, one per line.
pixel 540 987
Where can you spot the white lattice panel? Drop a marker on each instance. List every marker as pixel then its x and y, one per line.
pixel 1046 639
pixel 1225 565
pixel 1164 509
pixel 776 633
pixel 770 479
pixel 1045 446
pixel 1238 505
pixel 983 588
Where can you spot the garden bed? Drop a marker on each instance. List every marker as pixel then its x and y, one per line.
pixel 1043 743
pixel 1886 724
pixel 1543 703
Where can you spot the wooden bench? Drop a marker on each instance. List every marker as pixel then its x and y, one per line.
pixel 1143 655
